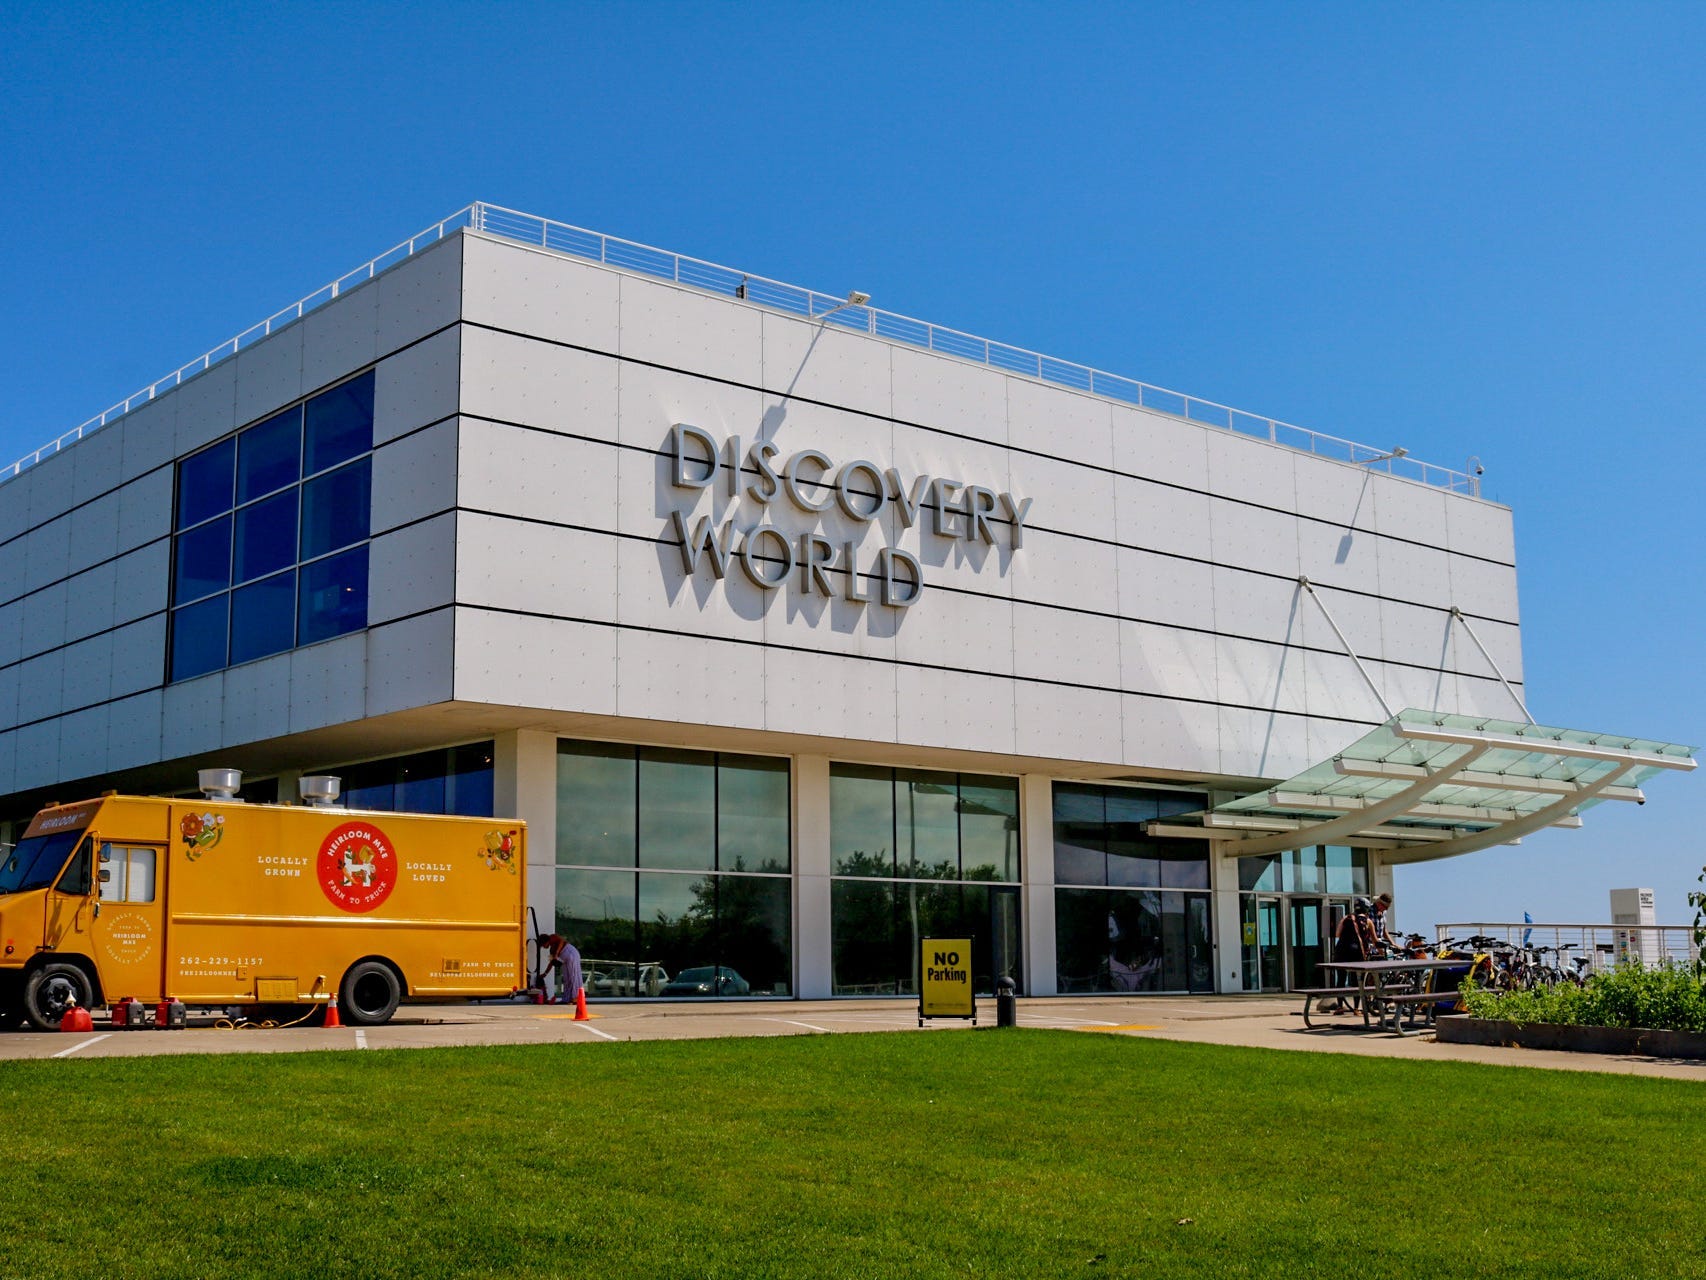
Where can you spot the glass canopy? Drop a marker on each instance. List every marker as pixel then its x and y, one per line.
pixel 1453 782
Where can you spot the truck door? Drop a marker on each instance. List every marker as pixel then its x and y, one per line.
pixel 129 936
pixel 66 927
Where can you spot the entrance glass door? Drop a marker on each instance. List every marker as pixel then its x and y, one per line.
pixel 1308 940
pixel 1264 944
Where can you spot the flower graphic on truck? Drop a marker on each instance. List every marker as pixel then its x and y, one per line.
pixel 201 832
pixel 499 852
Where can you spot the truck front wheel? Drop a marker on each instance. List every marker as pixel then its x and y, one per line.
pixel 51 990
pixel 369 994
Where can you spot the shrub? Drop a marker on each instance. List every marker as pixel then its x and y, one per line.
pixel 1666 998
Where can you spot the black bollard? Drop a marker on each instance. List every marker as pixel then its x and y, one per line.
pixel 1006 1006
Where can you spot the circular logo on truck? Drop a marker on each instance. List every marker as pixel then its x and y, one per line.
pixel 357 866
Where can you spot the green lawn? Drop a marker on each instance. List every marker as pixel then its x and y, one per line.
pixel 1027 1153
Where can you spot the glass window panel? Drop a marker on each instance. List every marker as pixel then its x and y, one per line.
pixel 1359 870
pixel 861 820
pixel 1136 957
pixel 1169 804
pixel 423 784
pixel 269 455
pixel 1184 863
pixel 265 537
pixel 334 509
pixel 1304 870
pixel 203 559
pixel 471 790
pixel 1340 876
pixel 204 483
pixel 752 813
pixel 677 922
pixel 989 828
pixel 754 934
pixel 927 824
pixel 1080 835
pixel 371 786
pixel 263 617
pixel 198 637
pixel 1261 872
pixel 334 597
pixel 595 804
pixel 595 911
pixel 339 424
pixel 861 930
pixel 678 810
pixel 139 880
pixel 1131 856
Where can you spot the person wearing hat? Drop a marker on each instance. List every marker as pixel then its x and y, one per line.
pixel 1382 934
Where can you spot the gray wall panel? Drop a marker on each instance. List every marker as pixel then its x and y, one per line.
pixel 269 373
pixel 416 386
pixel 420 295
pixel 340 336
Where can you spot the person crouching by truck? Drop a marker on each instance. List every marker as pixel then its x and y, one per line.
pixel 566 964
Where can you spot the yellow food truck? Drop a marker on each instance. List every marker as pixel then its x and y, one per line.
pixel 214 902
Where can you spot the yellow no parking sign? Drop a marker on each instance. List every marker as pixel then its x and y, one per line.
pixel 944 979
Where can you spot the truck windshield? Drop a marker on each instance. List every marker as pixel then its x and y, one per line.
pixel 36 861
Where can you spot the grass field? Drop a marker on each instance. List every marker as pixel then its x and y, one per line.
pixel 1027 1153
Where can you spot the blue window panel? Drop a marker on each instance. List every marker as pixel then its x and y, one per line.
pixel 204 483
pixel 339 425
pixel 198 638
pixel 334 509
pixel 263 617
pixel 334 597
pixel 472 792
pixel 203 561
pixel 265 538
pixel 269 456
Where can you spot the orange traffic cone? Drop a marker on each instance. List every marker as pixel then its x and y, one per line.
pixel 581 1015
pixel 332 1022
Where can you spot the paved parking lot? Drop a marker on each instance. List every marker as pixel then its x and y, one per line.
pixel 1257 1022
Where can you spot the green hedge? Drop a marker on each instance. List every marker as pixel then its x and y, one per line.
pixel 1668 998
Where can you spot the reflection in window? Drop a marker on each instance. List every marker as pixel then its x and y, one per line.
pixel 703 839
pixel 914 853
pixel 1100 838
pixel 262 508
pixel 1125 940
pixel 446 780
pixel 126 874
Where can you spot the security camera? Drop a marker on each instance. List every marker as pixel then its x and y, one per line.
pixel 1642 800
pixel 1480 470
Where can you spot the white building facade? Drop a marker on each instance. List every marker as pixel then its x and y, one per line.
pixel 791 639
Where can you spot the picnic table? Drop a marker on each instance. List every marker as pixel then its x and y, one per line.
pixel 1385 990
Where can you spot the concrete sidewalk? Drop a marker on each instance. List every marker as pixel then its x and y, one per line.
pixel 1262 1022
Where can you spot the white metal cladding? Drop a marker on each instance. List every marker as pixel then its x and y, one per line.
pixel 1152 618
pixel 523 552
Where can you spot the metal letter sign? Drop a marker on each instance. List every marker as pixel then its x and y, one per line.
pixel 944 980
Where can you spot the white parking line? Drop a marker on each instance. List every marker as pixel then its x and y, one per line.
pixel 360 1038
pixel 82 1044
pixel 587 1026
pixel 789 1022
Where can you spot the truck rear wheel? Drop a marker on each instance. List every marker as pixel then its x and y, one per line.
pixel 51 990
pixel 369 994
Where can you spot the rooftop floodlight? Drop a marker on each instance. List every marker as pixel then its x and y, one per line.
pixel 854 299
pixel 1398 452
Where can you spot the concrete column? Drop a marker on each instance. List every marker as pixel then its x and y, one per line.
pixel 1036 858
pixel 1228 919
pixel 813 968
pixel 524 785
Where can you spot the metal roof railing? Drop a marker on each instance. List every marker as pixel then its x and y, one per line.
pixel 629 255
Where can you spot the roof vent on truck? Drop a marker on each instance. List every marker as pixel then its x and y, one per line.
pixel 219 784
pixel 319 791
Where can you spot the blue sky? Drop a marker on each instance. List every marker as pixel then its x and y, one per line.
pixel 1466 230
